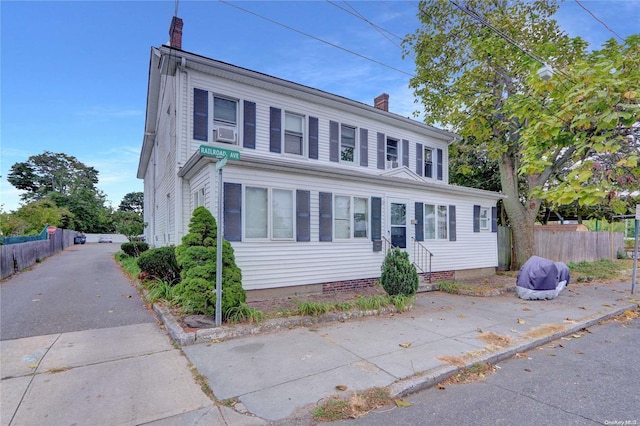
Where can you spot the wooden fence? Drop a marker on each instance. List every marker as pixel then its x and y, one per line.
pixel 563 246
pixel 16 257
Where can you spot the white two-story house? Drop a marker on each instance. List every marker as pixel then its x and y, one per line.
pixel 323 187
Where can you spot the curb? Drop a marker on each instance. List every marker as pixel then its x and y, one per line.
pixel 432 377
pixel 226 332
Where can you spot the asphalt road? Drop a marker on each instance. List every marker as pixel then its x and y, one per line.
pixel 591 379
pixel 80 288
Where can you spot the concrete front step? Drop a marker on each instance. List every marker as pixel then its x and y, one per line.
pixel 424 287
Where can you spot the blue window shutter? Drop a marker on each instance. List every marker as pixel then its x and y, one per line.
pixel 326 216
pixel 200 114
pixel 249 139
pixel 476 218
pixel 275 130
pixel 494 219
pixel 419 221
pixel 376 223
pixel 452 223
pixel 313 138
pixel 303 215
pixel 419 166
pixel 405 153
pixel 439 164
pixel 364 147
pixel 232 209
pixel 334 145
pixel 381 151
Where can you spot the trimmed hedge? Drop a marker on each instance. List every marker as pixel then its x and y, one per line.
pixel 134 248
pixel 160 263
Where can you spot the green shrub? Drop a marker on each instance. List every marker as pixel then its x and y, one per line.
pixel 399 275
pixel 135 248
pixel 160 264
pixel 197 258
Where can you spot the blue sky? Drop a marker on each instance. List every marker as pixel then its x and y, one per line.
pixel 74 73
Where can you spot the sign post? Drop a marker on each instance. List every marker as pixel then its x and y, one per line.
pixel 635 250
pixel 223 155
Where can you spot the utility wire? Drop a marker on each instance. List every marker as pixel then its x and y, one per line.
pixel 317 38
pixel 358 15
pixel 599 20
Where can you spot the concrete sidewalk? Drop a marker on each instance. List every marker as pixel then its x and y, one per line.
pixel 126 375
pixel 282 374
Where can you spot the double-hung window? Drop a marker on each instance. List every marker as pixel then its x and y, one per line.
pixel 225 119
pixel 348 150
pixel 351 217
pixel 225 111
pixel 435 222
pixel 293 133
pixel 428 162
pixel 393 153
pixel 269 213
pixel 485 218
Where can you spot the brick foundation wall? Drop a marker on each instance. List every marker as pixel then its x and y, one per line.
pixel 353 285
pixel 348 286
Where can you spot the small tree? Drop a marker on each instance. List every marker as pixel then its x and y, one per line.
pixel 197 258
pixel 399 275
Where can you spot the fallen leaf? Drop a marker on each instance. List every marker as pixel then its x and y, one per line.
pixel 527 370
pixel 35 300
pixel 405 345
pixel 526 309
pixel 479 330
pixel 551 354
pixel 341 387
pixel 401 402
pixel 462 316
pixel 582 307
pixel 560 344
pixel 580 353
pixel 514 330
pixel 521 321
pixel 576 336
pixel 440 387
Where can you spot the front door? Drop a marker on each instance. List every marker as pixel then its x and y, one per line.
pixel 398 230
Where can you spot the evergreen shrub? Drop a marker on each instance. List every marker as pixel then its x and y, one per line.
pixel 134 248
pixel 196 257
pixel 160 263
pixel 399 275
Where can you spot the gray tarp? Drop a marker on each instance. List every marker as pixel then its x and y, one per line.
pixel 541 279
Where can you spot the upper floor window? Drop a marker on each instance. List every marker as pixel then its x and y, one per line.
pixel 435 222
pixel 348 143
pixel 293 133
pixel 225 111
pixel 393 153
pixel 428 162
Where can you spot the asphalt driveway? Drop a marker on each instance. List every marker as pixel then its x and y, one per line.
pixel 80 288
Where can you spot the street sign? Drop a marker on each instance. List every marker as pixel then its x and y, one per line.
pixel 637 211
pixel 211 151
pixel 51 230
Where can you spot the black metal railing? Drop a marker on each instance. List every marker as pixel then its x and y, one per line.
pixel 421 257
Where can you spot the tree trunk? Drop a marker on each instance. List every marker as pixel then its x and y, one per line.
pixel 521 217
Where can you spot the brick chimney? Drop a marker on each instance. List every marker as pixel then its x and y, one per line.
pixel 382 102
pixel 175 33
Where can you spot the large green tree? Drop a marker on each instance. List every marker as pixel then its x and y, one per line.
pixel 68 183
pixel 476 74
pixel 51 172
pixel 132 202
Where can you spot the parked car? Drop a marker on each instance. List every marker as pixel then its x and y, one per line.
pixel 105 239
pixel 80 238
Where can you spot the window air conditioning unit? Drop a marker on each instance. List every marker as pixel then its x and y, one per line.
pixel 225 134
pixel 392 164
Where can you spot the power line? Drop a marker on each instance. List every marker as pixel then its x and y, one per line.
pixel 599 20
pixel 316 38
pixel 358 15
